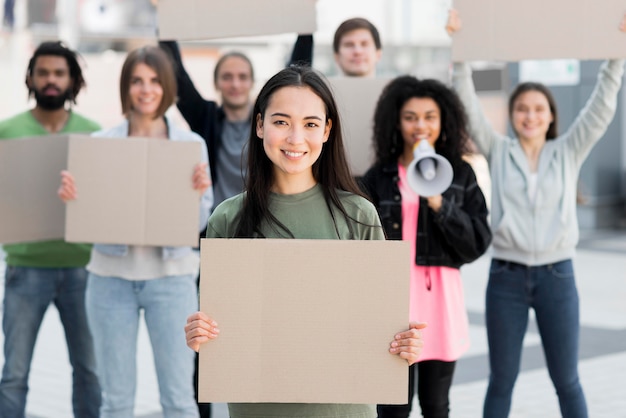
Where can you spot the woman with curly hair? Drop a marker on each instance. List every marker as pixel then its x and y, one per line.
pixel 446 230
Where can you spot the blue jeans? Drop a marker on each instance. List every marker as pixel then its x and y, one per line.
pixel 551 291
pixel 27 294
pixel 113 308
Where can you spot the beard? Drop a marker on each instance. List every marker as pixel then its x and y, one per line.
pixel 48 102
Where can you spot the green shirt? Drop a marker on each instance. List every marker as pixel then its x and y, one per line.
pixel 45 254
pixel 307 216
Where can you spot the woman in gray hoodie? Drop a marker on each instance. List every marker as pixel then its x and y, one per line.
pixel 533 216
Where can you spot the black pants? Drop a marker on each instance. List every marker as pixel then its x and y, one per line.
pixel 433 387
pixel 203 408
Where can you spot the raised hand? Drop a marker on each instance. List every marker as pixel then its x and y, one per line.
pixel 454 23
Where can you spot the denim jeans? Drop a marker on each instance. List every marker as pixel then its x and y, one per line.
pixel 551 291
pixel 27 294
pixel 113 310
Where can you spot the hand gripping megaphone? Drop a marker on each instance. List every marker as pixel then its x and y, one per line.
pixel 429 173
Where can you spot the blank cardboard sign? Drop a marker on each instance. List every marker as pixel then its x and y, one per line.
pixel 356 99
pixel 30 174
pixel 305 321
pixel 213 19
pixel 539 29
pixel 133 191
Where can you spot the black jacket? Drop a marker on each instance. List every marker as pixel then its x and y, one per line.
pixel 205 117
pixel 459 233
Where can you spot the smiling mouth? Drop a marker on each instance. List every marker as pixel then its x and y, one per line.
pixel 293 154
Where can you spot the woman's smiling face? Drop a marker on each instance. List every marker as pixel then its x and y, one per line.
pixel 293 129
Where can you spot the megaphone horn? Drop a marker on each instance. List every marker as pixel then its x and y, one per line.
pixel 429 173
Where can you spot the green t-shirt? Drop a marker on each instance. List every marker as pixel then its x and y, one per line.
pixel 307 216
pixel 45 254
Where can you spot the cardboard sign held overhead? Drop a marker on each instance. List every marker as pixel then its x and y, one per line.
pixel 212 19
pixel 356 99
pixel 30 174
pixel 305 321
pixel 133 191
pixel 539 29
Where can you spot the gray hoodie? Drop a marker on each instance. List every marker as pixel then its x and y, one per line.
pixel 546 231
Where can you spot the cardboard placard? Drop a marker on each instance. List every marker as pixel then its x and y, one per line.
pixel 539 29
pixel 30 175
pixel 305 321
pixel 135 191
pixel 356 100
pixel 213 19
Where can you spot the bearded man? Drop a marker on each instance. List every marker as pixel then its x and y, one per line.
pixel 45 272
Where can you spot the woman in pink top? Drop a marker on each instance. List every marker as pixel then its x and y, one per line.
pixel 446 230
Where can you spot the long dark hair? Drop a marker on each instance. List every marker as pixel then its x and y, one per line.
pixel 540 88
pixel 453 141
pixel 331 169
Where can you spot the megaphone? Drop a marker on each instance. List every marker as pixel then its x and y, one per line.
pixel 429 173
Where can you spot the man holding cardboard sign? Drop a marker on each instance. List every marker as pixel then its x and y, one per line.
pixel 39 273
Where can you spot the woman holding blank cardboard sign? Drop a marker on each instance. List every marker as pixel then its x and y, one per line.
pixel 161 281
pixel 446 224
pixel 533 217
pixel 298 186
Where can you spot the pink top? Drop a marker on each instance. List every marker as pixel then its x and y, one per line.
pixel 436 292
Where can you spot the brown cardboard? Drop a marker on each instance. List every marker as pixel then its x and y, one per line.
pixel 304 320
pixel 356 99
pixel 211 19
pixel 30 174
pixel 539 29
pixel 135 191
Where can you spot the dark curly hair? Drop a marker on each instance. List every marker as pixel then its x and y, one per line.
pixel 58 48
pixel 453 141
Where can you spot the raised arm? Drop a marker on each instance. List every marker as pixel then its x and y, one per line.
pixel 593 120
pixel 190 102
pixel 302 53
pixel 481 131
